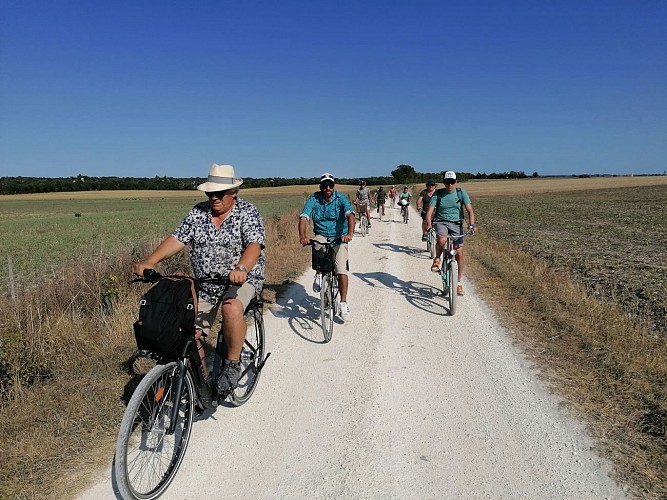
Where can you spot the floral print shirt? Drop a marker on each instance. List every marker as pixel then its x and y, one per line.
pixel 218 251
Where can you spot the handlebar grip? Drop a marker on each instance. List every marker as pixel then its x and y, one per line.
pixel 151 275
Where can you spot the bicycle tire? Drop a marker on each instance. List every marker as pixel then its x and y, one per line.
pixel 147 458
pixel 405 214
pixel 327 308
pixel 430 243
pixel 452 289
pixel 252 357
pixel 364 225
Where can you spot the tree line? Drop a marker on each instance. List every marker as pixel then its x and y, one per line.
pixel 402 174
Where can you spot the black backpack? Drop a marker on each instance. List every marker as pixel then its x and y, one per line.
pixel 167 313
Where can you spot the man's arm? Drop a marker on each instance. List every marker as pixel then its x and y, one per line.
pixel 303 224
pixel 170 246
pixel 429 216
pixel 248 260
pixel 420 201
pixel 471 216
pixel 350 228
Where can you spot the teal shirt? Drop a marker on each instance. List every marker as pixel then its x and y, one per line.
pixel 329 219
pixel 450 208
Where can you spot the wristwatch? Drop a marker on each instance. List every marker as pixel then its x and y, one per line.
pixel 241 268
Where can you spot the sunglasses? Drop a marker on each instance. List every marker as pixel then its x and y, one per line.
pixel 326 185
pixel 450 181
pixel 216 194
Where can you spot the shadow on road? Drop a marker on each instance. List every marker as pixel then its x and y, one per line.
pixel 421 295
pixel 419 253
pixel 303 314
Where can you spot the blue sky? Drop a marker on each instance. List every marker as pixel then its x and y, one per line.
pixel 289 89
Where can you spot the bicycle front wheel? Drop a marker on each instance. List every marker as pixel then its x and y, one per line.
pixel 430 244
pixel 252 357
pixel 405 214
pixel 451 289
pixel 364 225
pixel 147 456
pixel 327 307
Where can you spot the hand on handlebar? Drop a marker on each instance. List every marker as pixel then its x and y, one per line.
pixel 304 241
pixel 346 238
pixel 139 268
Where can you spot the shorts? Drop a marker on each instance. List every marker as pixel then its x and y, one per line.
pixel 443 228
pixel 423 214
pixel 341 263
pixel 206 312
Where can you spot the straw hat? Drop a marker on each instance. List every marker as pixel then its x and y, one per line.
pixel 220 178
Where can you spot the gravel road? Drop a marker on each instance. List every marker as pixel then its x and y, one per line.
pixel 404 402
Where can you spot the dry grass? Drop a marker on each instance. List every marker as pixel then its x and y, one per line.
pixel 610 371
pixel 69 366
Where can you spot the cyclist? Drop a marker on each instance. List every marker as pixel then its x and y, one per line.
pixel 445 214
pixel 422 203
pixel 392 195
pixel 225 235
pixel 380 197
pixel 363 200
pixel 333 218
pixel 404 198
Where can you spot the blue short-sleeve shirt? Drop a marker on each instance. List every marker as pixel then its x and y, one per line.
pixel 329 219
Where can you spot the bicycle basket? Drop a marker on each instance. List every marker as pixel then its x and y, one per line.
pixel 323 259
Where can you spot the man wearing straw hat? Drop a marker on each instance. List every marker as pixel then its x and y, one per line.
pixel 225 235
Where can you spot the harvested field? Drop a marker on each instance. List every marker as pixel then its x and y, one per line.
pixel 611 240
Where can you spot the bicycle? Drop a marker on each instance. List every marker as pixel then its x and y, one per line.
pixel 363 220
pixel 155 430
pixel 380 210
pixel 449 271
pixel 404 212
pixel 323 261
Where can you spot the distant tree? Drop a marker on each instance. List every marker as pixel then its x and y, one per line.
pixel 535 174
pixel 404 174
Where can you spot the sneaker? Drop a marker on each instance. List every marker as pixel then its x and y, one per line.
pixel 229 377
pixel 435 267
pixel 423 237
pixel 317 283
pixel 369 223
pixel 345 313
pixel 459 289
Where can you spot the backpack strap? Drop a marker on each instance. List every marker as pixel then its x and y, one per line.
pixel 460 196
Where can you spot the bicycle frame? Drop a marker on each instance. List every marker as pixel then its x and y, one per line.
pixel 190 361
pixel 329 294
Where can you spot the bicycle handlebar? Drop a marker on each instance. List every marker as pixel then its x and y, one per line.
pixel 326 243
pixel 152 276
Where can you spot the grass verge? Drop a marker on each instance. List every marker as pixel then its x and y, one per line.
pixel 609 369
pixel 67 363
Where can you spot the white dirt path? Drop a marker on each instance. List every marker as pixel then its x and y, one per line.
pixel 404 402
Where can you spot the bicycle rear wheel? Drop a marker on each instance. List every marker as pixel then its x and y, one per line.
pixel 327 307
pixel 252 357
pixel 147 457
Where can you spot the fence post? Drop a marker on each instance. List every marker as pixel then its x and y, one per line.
pixel 12 287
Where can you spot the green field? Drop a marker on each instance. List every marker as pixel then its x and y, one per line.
pixel 43 235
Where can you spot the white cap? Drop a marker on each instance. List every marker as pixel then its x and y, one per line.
pixel 326 176
pixel 450 174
